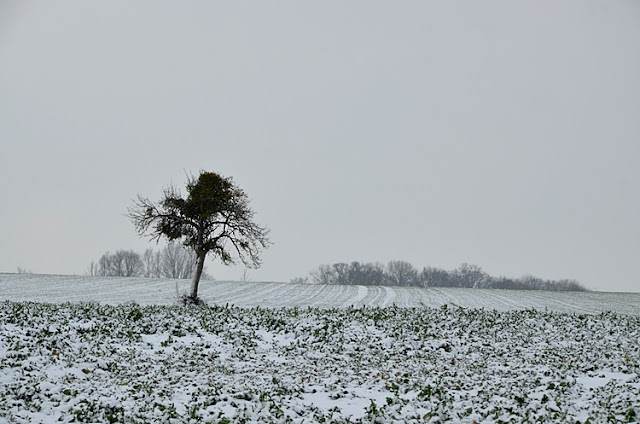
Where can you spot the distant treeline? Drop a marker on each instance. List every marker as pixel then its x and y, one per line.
pixel 173 261
pixel 401 273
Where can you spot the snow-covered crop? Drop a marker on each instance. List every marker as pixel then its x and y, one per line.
pixel 89 362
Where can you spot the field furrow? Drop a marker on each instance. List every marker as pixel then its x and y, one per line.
pixel 116 290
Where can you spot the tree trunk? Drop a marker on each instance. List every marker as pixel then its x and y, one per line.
pixel 198 274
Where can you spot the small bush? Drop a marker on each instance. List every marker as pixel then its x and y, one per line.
pixel 188 300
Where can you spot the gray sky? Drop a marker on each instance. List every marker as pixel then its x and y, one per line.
pixel 499 133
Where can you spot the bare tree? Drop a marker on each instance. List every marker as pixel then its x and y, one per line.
pixel 151 264
pixel 122 263
pixel 436 277
pixel 92 269
pixel 372 273
pixel 215 218
pixel 245 275
pixel 366 274
pixel 173 261
pixel 402 273
pixel 340 274
pixel 130 263
pixel 107 265
pixel 177 262
pixel 471 276
pixel 322 275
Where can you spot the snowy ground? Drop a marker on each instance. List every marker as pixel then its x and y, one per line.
pixel 114 290
pixel 125 362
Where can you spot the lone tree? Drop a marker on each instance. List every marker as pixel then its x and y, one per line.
pixel 215 218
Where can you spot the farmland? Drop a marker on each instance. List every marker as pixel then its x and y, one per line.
pixel 144 291
pixel 312 354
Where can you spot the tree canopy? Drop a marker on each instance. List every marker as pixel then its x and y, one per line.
pixel 214 217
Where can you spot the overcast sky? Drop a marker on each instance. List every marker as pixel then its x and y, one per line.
pixel 499 133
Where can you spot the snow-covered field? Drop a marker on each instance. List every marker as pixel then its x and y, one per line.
pixel 114 290
pixel 330 359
